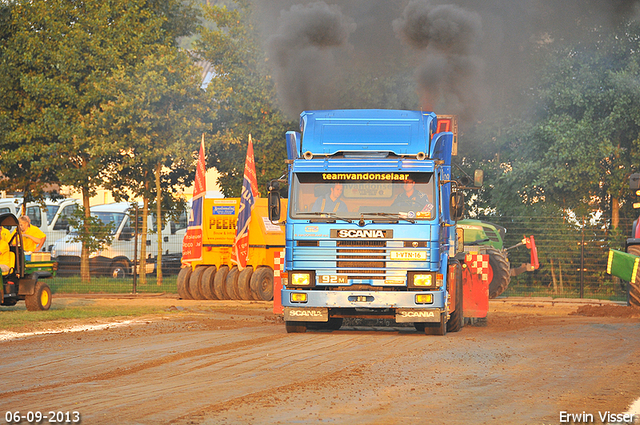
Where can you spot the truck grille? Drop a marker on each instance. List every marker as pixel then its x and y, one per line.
pixel 361 259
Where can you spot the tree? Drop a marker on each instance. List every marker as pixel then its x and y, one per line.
pixel 155 124
pixel 580 144
pixel 54 64
pixel 244 99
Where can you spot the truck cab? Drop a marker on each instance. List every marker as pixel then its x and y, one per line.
pixel 370 226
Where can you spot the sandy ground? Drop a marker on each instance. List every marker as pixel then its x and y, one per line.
pixel 231 362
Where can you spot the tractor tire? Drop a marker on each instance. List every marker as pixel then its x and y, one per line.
pixel 456 319
pixel 295 327
pixel 634 288
pixel 183 283
pixel 244 283
pixel 219 283
pixel 41 298
pixel 194 283
pixel 262 283
pixel 206 283
pixel 500 274
pixel 231 284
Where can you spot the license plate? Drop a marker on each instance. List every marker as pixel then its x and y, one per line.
pixel 327 279
pixel 408 255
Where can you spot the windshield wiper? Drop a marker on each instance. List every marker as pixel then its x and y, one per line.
pixel 394 216
pixel 330 215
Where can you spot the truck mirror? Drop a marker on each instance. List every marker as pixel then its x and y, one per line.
pixel 634 181
pixel 456 206
pixel 478 178
pixel 274 205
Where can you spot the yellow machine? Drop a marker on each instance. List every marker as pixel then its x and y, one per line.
pixel 214 276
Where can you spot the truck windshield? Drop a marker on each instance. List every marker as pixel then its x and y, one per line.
pixel 363 195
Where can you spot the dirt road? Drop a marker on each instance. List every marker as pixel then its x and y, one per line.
pixel 224 362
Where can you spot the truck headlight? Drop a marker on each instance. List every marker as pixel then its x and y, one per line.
pixel 305 279
pixel 424 280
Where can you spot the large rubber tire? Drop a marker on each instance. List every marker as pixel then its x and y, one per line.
pixel 244 283
pixel 634 288
pixel 219 283
pixel 295 327
pixel 262 283
pixel 456 319
pixel 41 298
pixel 194 283
pixel 183 283
pixel 206 283
pixel 501 275
pixel 436 328
pixel 231 284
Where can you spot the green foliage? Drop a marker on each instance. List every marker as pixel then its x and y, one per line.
pixel 244 99
pixel 92 232
pixel 576 144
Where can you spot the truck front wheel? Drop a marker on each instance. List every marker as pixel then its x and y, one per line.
pixel 41 298
pixel 456 320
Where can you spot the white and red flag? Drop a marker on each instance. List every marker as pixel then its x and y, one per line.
pixel 192 242
pixel 240 252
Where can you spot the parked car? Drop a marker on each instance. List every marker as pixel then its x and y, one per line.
pixel 116 259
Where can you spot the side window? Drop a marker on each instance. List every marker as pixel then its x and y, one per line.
pixel 35 215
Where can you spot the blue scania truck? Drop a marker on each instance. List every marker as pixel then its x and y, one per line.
pixel 371 221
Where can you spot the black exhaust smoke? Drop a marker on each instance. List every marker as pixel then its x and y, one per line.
pixel 444 36
pixel 301 49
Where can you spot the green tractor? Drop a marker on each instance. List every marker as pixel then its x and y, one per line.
pixel 488 238
pixel 22 280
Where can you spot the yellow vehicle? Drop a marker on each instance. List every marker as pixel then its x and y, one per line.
pixel 214 277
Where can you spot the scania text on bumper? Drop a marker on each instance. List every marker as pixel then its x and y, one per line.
pixel 306 314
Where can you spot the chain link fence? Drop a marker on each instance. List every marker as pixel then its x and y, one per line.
pixel 572 256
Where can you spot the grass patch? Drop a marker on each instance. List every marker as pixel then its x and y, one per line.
pixel 17 318
pixel 109 285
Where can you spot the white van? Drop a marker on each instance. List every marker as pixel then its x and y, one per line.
pixel 116 259
pixel 52 218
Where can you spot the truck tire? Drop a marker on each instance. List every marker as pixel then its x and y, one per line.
pixel 219 283
pixel 183 283
pixel 456 319
pixel 231 284
pixel 262 283
pixel 206 283
pixel 295 327
pixel 244 283
pixel 194 283
pixel 634 288
pixel 500 274
pixel 41 298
